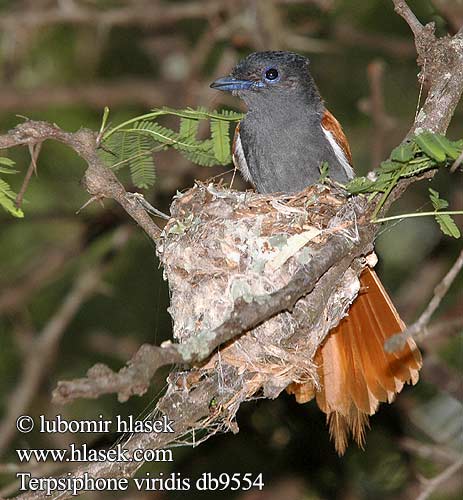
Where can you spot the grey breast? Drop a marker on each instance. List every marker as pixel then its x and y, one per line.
pixel 284 151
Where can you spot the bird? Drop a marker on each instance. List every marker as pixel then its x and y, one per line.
pixel 280 145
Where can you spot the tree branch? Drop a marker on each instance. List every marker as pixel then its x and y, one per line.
pixel 431 485
pixel 99 180
pixel 41 350
pixel 436 453
pixel 188 408
pixel 375 108
pixel 40 272
pixel 34 151
pixel 440 60
pixel 150 14
pixel 401 7
pixel 36 363
pixel 419 329
pixel 96 95
pixel 134 379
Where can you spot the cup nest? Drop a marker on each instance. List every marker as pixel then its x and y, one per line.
pixel 221 245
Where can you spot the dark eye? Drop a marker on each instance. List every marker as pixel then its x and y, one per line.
pixel 271 74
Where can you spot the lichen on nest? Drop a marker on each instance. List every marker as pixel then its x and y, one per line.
pixel 221 245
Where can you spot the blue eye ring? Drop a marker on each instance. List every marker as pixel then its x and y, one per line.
pixel 271 74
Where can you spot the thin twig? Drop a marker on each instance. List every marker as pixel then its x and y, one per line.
pixel 456 163
pixel 188 409
pixel 419 329
pixel 41 351
pixel 435 482
pixel 445 327
pixel 96 95
pixel 150 15
pixel 422 77
pixel 138 197
pixel 36 275
pixel 428 451
pixel 376 110
pixel 417 214
pixel 439 293
pixel 401 7
pixel 443 57
pixel 35 151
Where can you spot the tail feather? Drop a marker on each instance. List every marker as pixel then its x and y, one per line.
pixel 389 322
pixel 368 368
pixel 341 426
pixel 365 321
pixel 355 371
pixel 361 395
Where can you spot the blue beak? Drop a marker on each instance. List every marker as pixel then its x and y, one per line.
pixel 228 84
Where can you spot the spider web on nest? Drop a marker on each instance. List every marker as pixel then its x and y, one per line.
pixel 221 245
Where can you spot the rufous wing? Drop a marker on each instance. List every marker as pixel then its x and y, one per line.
pixel 330 123
pixel 355 371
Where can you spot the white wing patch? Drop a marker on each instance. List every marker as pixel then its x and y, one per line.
pixel 340 155
pixel 240 160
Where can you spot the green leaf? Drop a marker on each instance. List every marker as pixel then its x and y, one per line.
pixel 204 113
pixel 202 159
pixel 7 197
pixel 389 166
pixel 123 153
pixel 188 128
pixel 221 137
pixel 122 145
pixel 157 132
pixel 450 148
pixel 6 161
pixel 427 151
pixel 142 168
pixel 387 191
pixel 437 202
pixel 413 168
pixel 359 185
pixel 403 153
pixel 109 152
pixel 448 226
pixel 428 143
pixel 7 169
pixel 445 221
pixel 4 170
pixel 104 120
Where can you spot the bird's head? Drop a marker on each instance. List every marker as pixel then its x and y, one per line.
pixel 271 77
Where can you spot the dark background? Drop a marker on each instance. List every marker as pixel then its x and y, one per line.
pixel 63 61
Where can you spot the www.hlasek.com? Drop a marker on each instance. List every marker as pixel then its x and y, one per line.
pixel 85 454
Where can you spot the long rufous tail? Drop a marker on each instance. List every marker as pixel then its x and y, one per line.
pixel 355 371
